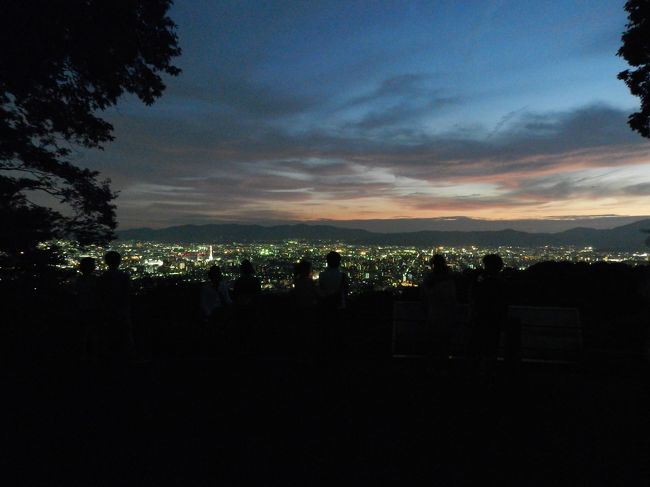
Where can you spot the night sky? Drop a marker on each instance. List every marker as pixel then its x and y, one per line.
pixel 365 110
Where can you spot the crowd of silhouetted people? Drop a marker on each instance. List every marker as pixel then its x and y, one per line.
pixel 231 315
pixel 488 305
pixel 232 319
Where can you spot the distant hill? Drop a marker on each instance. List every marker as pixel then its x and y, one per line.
pixel 629 237
pixel 465 224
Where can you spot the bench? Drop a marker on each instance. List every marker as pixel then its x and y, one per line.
pixel 545 334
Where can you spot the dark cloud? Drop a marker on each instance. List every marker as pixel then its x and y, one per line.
pixel 260 100
pixel 476 202
pixel 542 137
pixel 559 187
pixel 403 112
pixel 530 142
pixel 527 142
pixel 642 189
pixel 394 88
pixel 542 191
pixel 397 102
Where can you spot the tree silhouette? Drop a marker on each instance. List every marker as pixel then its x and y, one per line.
pixel 62 62
pixel 636 51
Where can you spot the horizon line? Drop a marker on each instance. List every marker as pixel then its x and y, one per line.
pixel 333 222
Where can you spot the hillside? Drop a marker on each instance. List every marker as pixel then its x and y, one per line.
pixel 623 237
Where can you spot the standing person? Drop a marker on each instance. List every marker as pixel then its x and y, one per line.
pixel 489 310
pixel 247 287
pixel 115 291
pixel 215 299
pixel 214 296
pixel 333 289
pixel 87 312
pixel 305 294
pixel 439 293
pixel 333 283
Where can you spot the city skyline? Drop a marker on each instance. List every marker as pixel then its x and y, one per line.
pixel 337 111
pixel 369 267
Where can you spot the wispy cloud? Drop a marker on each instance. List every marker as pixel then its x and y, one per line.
pixel 237 170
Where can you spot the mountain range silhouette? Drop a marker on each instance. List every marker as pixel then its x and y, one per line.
pixel 625 237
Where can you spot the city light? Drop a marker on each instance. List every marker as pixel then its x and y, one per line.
pixel 370 267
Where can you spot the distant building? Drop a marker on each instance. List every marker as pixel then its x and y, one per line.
pixel 210 255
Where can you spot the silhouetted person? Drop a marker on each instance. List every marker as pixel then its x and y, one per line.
pixel 333 289
pixel 305 294
pixel 214 303
pixel 305 300
pixel 439 293
pixel 115 289
pixel 247 287
pixel 246 291
pixel 215 296
pixel 87 310
pixel 333 284
pixel 489 310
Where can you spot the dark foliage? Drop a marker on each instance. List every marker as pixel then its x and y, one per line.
pixel 62 62
pixel 636 51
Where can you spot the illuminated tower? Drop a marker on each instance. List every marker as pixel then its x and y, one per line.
pixel 210 256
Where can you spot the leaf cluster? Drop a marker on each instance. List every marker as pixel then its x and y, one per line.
pixel 61 63
pixel 636 51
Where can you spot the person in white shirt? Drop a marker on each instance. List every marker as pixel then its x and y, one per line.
pixel 333 290
pixel 333 284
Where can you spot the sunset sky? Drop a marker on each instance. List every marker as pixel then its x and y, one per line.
pixel 366 110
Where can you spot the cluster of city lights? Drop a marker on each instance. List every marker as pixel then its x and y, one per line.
pixel 369 266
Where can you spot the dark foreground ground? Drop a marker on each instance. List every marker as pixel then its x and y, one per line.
pixel 280 421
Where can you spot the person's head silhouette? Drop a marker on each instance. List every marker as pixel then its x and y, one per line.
pixel 438 264
pixel 246 268
pixel 112 259
pixel 333 260
pixel 303 269
pixel 214 274
pixel 492 263
pixel 87 266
